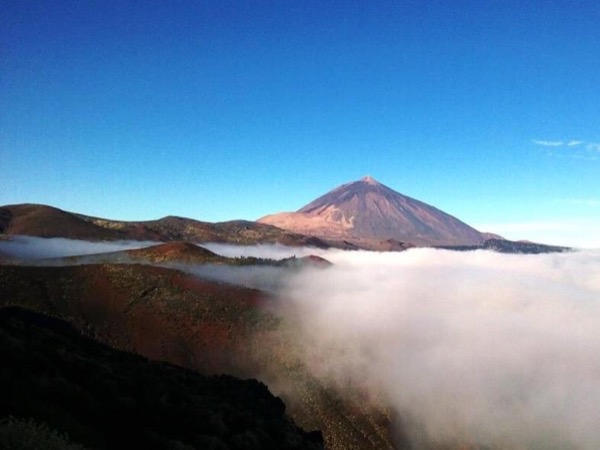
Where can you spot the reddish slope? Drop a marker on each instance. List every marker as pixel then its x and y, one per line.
pixel 167 315
pixel 183 252
pixel 47 221
pixel 163 314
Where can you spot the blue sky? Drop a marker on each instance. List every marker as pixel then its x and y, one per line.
pixel 216 110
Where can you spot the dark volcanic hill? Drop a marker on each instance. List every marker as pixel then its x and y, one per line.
pixel 105 398
pixel 369 214
pixel 47 221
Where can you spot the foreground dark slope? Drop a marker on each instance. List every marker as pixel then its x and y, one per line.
pixel 47 221
pixel 106 399
pixel 371 215
pixel 214 328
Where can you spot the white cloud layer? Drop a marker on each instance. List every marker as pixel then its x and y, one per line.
pixel 270 251
pixel 500 349
pixel 30 247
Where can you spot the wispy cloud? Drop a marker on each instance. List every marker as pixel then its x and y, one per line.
pixel 548 143
pixel 572 148
pixel 574 143
pixel 593 146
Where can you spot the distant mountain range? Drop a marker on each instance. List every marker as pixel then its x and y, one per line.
pixel 363 214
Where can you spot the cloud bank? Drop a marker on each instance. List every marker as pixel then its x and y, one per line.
pixel 503 350
pixel 269 251
pixel 500 350
pixel 33 248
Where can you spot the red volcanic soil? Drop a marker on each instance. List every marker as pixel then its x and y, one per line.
pixel 305 261
pixel 46 221
pixel 168 315
pixel 161 313
pixel 315 261
pixel 175 252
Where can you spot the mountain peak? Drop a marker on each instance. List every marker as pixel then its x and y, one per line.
pixel 368 211
pixel 369 180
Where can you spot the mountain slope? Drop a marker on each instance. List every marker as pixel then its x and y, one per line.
pixel 47 221
pixel 211 327
pixel 367 213
pixel 104 398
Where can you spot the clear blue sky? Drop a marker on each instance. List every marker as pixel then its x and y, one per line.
pixel 215 110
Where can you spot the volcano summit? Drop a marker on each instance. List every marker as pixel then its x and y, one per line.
pixel 367 213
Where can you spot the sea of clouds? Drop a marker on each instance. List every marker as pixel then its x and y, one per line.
pixel 478 346
pixel 499 349
pixel 36 248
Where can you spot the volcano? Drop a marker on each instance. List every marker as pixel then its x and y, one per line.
pixel 369 214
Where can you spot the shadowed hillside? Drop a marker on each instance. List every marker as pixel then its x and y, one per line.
pixel 105 399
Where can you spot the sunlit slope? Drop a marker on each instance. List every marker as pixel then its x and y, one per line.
pixel 47 221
